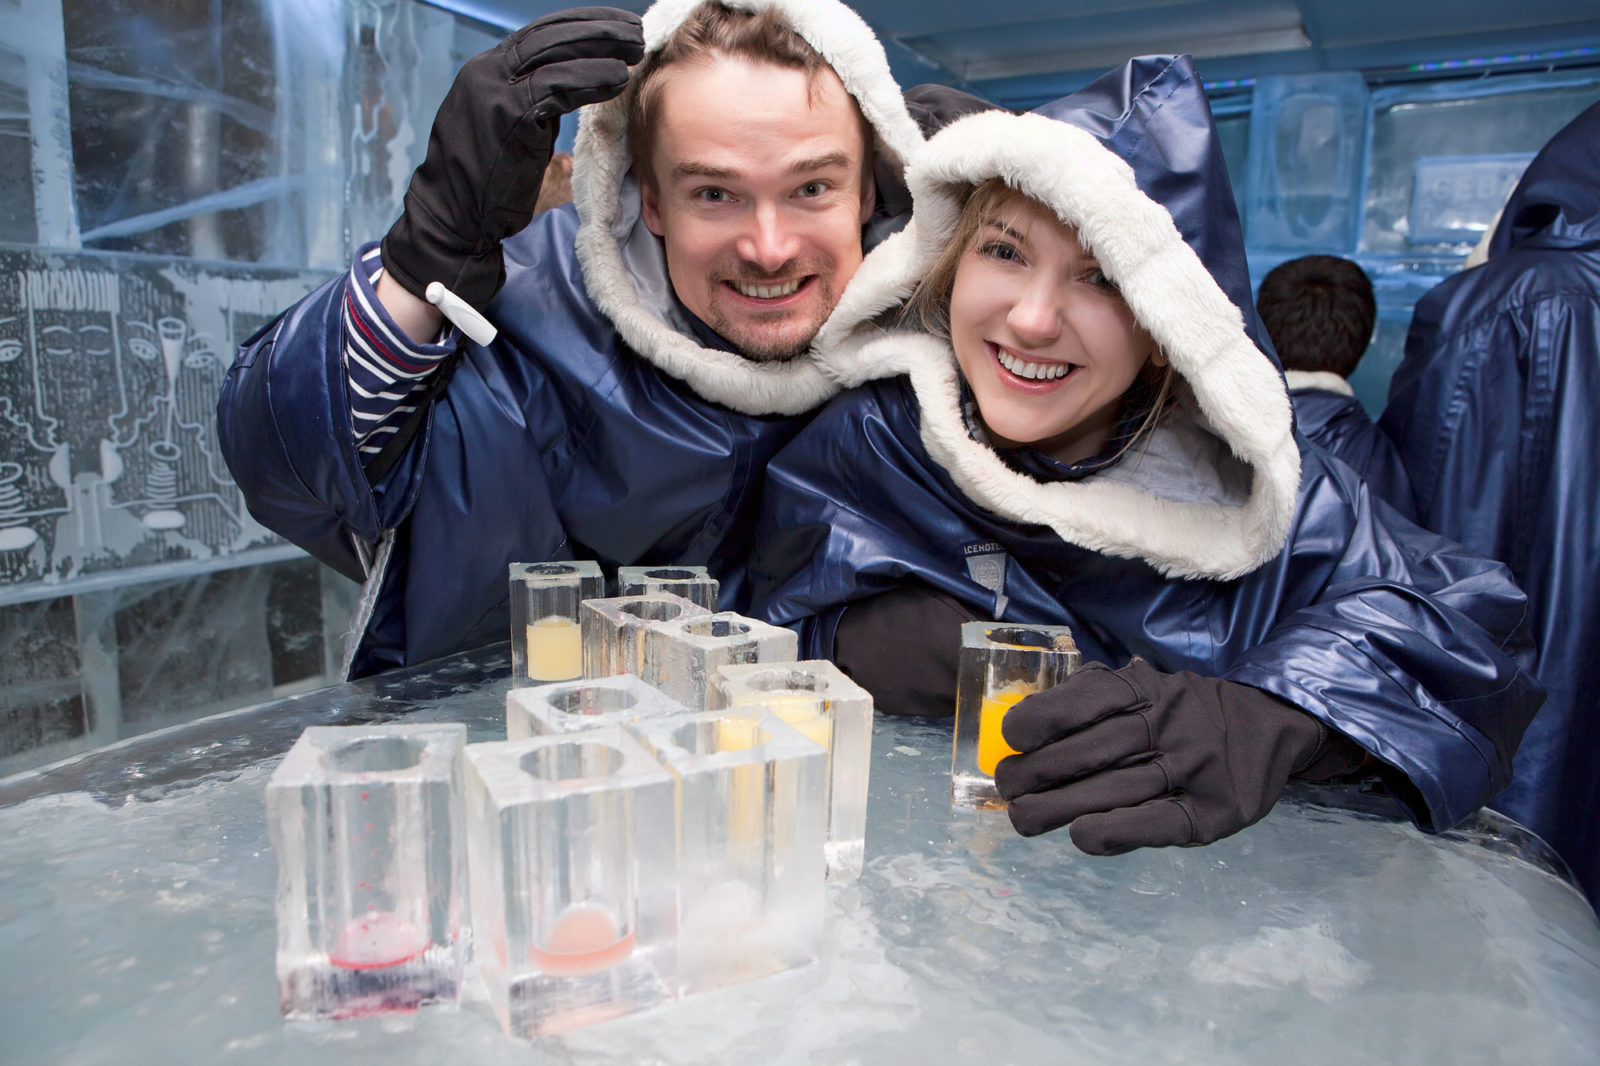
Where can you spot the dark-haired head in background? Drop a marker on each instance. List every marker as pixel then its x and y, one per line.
pixel 1319 311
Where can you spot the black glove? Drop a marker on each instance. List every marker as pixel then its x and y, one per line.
pixel 1139 758
pixel 902 646
pixel 491 139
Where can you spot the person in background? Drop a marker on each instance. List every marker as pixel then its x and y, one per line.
pixel 652 344
pixel 1062 415
pixel 1494 411
pixel 1319 311
pixel 556 188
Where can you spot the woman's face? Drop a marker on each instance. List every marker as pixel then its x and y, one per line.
pixel 1042 336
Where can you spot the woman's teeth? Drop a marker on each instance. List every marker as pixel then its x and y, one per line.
pixel 1034 371
pixel 768 292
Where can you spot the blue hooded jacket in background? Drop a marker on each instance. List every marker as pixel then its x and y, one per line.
pixel 1327 413
pixel 603 423
pixel 1496 412
pixel 1221 545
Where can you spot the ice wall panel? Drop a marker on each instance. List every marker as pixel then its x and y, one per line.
pixel 109 372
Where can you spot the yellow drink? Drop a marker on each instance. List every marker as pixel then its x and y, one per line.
pixel 992 746
pixel 555 649
pixel 804 711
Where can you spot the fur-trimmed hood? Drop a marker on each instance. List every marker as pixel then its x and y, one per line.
pixel 623 265
pixel 1213 494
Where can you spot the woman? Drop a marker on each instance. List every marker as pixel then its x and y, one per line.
pixel 1067 422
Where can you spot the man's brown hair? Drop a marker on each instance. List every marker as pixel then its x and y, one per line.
pixel 714 29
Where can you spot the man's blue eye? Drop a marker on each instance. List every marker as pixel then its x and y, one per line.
pixel 812 188
pixel 715 196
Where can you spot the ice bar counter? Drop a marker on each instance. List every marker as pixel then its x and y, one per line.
pixel 137 914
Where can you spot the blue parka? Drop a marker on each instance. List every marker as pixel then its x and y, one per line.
pixel 1219 545
pixel 603 423
pixel 1327 413
pixel 1496 412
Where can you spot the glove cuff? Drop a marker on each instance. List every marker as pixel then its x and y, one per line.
pixel 415 255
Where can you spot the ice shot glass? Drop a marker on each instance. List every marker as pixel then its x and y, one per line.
pixel 1000 664
pixel 614 630
pixel 821 703
pixel 693 583
pixel 573 706
pixel 367 825
pixel 683 655
pixel 750 830
pixel 546 638
pixel 574 878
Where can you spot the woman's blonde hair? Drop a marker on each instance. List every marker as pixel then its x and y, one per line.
pixel 927 309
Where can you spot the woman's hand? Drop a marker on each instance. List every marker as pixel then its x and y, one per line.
pixel 1136 758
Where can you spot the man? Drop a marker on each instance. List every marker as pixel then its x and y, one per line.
pixel 652 341
pixel 1319 311
pixel 1493 411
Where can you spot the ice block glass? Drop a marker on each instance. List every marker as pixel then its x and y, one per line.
pixel 368 828
pixel 614 630
pixel 750 830
pixel 693 583
pixel 571 706
pixel 574 880
pixel 682 655
pixel 546 638
pixel 818 700
pixel 1000 664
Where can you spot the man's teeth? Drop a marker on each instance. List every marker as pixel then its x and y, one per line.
pixel 1036 371
pixel 768 292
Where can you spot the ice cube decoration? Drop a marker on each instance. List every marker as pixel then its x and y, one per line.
pixel 693 583
pixel 546 637
pixel 683 654
pixel 1000 664
pixel 570 706
pixel 367 825
pixel 614 630
pixel 818 700
pixel 751 792
pixel 574 878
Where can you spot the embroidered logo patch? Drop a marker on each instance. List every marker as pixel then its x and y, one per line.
pixel 986 565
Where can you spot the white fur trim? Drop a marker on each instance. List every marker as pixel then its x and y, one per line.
pixel 1238 391
pixel 1325 380
pixel 601 166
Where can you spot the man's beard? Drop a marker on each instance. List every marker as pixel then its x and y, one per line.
pixel 756 344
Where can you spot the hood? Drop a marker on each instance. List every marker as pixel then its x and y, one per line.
pixel 1558 197
pixel 623 264
pixel 1213 493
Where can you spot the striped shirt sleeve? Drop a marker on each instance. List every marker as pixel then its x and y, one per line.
pixel 385 368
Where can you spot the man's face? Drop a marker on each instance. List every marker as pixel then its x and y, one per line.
pixel 759 197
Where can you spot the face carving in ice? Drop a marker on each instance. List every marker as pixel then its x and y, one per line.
pixel 1042 335
pixel 760 189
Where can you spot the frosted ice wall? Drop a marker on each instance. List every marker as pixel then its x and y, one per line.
pixel 172 175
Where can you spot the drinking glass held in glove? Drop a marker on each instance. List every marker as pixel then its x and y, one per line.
pixel 1136 757
pixel 491 140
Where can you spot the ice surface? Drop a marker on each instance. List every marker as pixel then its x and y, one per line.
pixel 567 707
pixel 693 583
pixel 546 632
pixel 1000 664
pixel 751 820
pixel 367 825
pixel 136 910
pixel 682 655
pixel 574 878
pixel 614 630
pixel 817 699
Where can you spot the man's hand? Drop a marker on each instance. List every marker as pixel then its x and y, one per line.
pixel 1138 758
pixel 491 139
